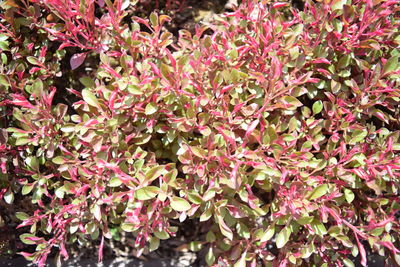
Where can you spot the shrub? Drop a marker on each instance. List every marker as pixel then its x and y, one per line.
pixel 276 129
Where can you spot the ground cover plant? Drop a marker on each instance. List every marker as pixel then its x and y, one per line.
pixel 273 130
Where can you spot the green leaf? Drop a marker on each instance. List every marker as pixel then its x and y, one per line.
pixel 96 211
pixel 358 136
pixel 33 60
pixel 154 173
pixel 87 82
pixel 90 98
pixel 348 263
pixel 60 192
pixel 114 182
pixel 9 197
pixel 68 128
pixel 134 90
pixel 195 198
pixel 195 246
pixel 317 107
pixel 26 189
pixel 344 62
pixel 179 204
pixel 319 192
pixel 154 243
pixel 128 227
pixel 151 108
pixel 4 81
pixel 268 234
pixel 391 65
pixel 337 4
pixel 292 101
pixel 210 237
pixel 242 261
pixel 153 19
pixel 305 220
pixel 37 87
pixel 283 237
pixel 210 257
pixel 21 215
pixel 4 45
pixel 243 230
pixel 206 215
pixel 22 141
pixel 161 235
pixel 58 160
pixel 146 193
pixel 25 240
pixel 349 195
pixel 32 162
pixel 318 227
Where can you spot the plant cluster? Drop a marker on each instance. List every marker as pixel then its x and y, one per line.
pixel 274 128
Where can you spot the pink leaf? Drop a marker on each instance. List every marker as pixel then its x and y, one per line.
pixel 279 4
pixel 251 128
pixel 363 254
pixel 77 60
pixel 101 249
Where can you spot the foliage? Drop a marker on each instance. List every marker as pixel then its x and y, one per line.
pixel 276 129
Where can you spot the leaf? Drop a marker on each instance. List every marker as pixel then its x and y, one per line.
pixel 293 102
pixel 154 173
pixel 4 80
pixel 283 237
pixel 146 193
pixel 32 162
pixel 349 195
pixel 195 246
pixel 21 215
pixel 225 230
pixel 154 243
pixel 22 141
pixel 344 62
pixel 33 60
pixel 242 261
pixel 317 107
pixel 29 239
pixel 26 189
pixel 87 82
pixel 348 263
pixel 58 160
pixel 210 237
pixel 90 98
pixel 9 197
pixel 128 227
pixel 243 230
pixel 358 136
pixel 151 108
pixel 153 19
pixel 338 4
pixel 210 257
pixel 391 65
pixel 195 198
pixel 60 192
pixel 114 182
pixel 319 192
pixel 161 235
pixel 318 227
pixel 97 212
pixel 77 60
pixel 305 220
pixel 68 128
pixel 179 204
pixel 268 234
